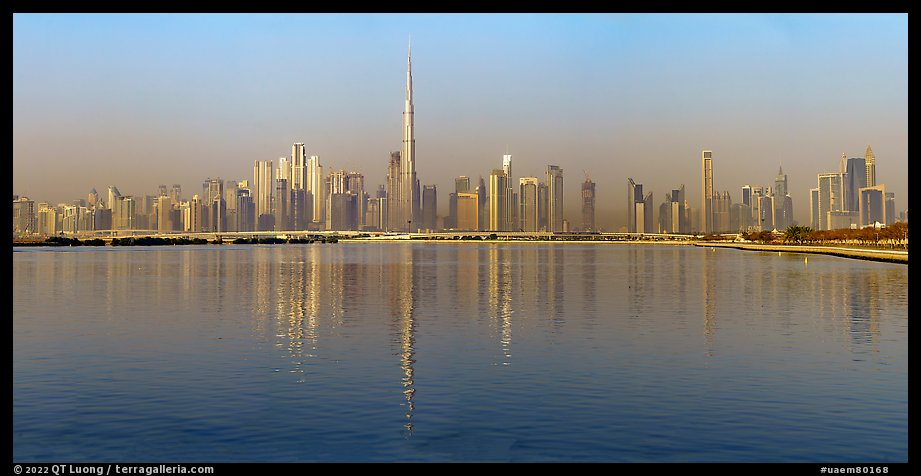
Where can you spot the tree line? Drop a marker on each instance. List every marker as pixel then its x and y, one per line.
pixel 891 236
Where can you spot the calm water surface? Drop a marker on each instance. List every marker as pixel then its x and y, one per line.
pixel 457 352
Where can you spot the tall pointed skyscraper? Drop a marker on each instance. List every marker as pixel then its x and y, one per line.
pixel 408 190
pixel 871 167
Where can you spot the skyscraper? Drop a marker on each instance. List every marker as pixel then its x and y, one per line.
pixel 870 160
pixel 872 207
pixel 262 192
pixel 462 184
pixel 814 221
pixel 231 221
pixel 511 196
pixel 468 211
pixel 483 218
pixel 831 197
pixel 781 192
pixel 213 202
pixel 409 192
pixel 527 193
pixel 343 210
pixel 631 205
pixel 639 209
pixel 890 208
pixel 281 203
pixel 706 192
pixel 430 207
pixel 588 205
pixel 316 189
pixel 394 216
pixel 113 196
pixel 554 198
pixel 284 170
pixel 672 214
pixel 24 217
pixel 298 166
pixel 92 198
pixel 855 180
pixel 498 200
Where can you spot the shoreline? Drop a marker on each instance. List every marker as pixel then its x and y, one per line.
pixel 889 256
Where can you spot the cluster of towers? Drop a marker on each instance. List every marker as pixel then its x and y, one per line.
pixel 532 206
pixel 851 197
pixel 761 209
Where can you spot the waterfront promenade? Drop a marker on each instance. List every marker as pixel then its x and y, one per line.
pixel 893 256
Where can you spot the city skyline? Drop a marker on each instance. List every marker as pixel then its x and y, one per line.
pixel 576 136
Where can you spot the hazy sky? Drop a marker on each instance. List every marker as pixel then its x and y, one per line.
pixel 139 100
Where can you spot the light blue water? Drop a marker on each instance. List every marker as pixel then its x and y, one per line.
pixel 457 352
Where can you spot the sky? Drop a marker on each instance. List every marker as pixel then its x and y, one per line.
pixel 139 100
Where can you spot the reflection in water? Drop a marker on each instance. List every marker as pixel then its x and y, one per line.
pixel 401 286
pixel 311 290
pixel 136 331
pixel 555 262
pixel 710 296
pixel 637 290
pixel 500 296
pixel 853 303
pixel 589 283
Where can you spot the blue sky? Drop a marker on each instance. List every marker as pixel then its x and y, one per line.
pixel 136 100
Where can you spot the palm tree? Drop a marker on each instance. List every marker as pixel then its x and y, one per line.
pixel 796 234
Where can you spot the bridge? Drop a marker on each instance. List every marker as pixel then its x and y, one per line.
pixel 108 235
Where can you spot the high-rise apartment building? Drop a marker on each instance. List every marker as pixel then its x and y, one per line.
pixel 706 192
pixel 468 211
pixel 554 198
pixel 855 180
pixel 430 207
pixel 213 218
pixel 498 200
pixel 639 209
pixel 280 208
pixel 298 167
pixel 483 220
pixel 164 217
pixel 175 192
pixel 831 197
pixel 872 208
pixel 588 205
pixel 246 210
pixel 24 217
pixel 783 212
pixel 527 193
pixel 511 195
pixel 112 196
pixel 395 220
pixel 262 188
pixel 316 189
pixel 462 184
pixel 814 221
pixel 673 212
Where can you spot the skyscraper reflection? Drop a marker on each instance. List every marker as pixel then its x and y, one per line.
pixel 708 273
pixel 401 287
pixel 500 298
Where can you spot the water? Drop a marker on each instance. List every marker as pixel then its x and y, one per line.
pixel 457 352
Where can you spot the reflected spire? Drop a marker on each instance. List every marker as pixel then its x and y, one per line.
pixel 402 307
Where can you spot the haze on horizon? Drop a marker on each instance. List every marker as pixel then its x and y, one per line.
pixel 139 100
